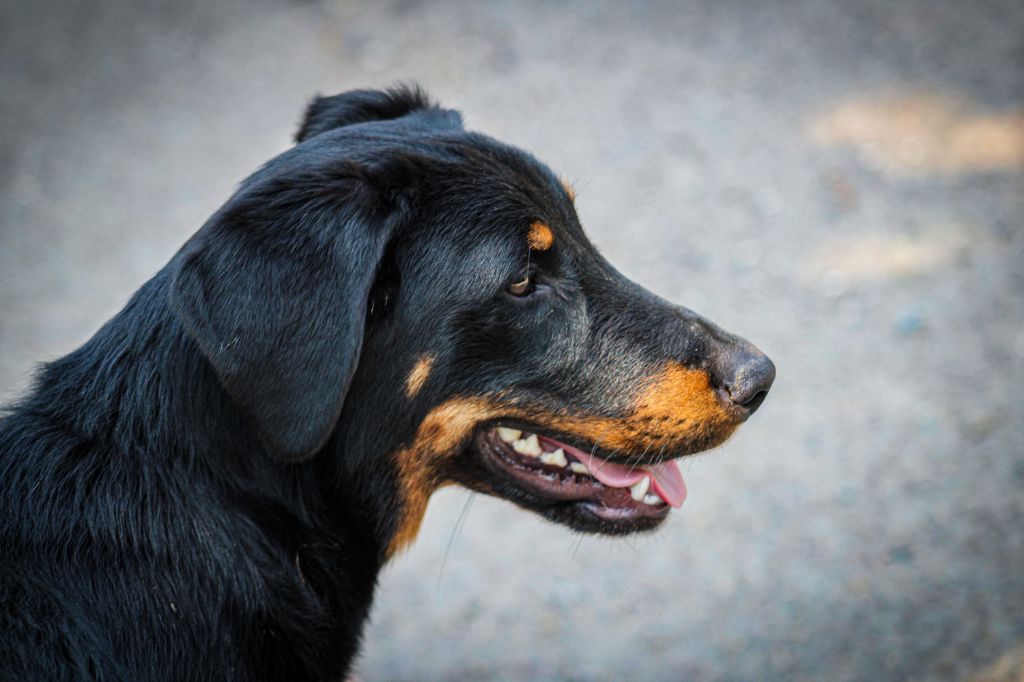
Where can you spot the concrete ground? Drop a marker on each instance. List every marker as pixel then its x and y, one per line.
pixel 841 182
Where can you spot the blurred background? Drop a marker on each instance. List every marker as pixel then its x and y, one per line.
pixel 840 182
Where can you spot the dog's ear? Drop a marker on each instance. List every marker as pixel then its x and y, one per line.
pixel 274 291
pixel 363 106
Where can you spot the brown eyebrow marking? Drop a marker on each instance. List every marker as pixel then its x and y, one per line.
pixel 540 237
pixel 419 374
pixel 568 189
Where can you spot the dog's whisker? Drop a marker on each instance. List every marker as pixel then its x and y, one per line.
pixel 459 522
pixel 575 549
pixel 633 463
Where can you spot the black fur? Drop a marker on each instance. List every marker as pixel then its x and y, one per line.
pixel 364 106
pixel 206 490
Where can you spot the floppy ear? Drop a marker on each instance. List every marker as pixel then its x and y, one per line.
pixel 274 291
pixel 363 106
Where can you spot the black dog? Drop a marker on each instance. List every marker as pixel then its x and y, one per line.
pixel 207 489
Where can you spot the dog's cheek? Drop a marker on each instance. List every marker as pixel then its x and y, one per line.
pixel 421 466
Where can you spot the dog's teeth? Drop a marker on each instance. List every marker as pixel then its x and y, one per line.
pixel 579 468
pixel 509 435
pixel 528 446
pixel 651 499
pixel 557 458
pixel 639 489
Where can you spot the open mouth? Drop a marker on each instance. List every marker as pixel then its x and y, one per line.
pixel 580 488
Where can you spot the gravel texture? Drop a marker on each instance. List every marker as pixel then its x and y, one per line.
pixel 840 182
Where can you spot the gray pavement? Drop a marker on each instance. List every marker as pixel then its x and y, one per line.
pixel 840 182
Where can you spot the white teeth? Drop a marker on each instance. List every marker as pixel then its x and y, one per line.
pixel 639 489
pixel 652 499
pixel 557 457
pixel 509 435
pixel 579 468
pixel 528 446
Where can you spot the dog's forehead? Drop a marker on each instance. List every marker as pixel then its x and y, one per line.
pixel 507 192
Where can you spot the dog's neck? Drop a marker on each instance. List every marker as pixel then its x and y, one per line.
pixel 140 387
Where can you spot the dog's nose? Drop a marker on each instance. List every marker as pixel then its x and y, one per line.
pixel 747 376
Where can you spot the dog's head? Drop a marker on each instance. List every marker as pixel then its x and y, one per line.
pixel 419 305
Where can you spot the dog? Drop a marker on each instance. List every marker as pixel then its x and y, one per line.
pixel 208 487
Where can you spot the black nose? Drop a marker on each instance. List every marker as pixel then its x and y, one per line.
pixel 748 377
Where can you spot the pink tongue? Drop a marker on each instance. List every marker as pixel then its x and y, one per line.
pixel 668 482
pixel 665 476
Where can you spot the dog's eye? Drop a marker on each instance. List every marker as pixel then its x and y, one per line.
pixel 521 288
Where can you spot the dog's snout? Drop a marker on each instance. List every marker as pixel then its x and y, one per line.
pixel 746 376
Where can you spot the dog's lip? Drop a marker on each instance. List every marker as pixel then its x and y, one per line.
pixel 557 484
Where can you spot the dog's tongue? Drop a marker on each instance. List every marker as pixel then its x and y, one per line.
pixel 666 478
pixel 668 482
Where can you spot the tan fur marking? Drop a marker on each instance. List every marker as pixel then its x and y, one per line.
pixel 419 374
pixel 569 190
pixel 445 429
pixel 676 412
pixel 540 237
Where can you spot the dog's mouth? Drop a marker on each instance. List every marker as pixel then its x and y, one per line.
pixel 579 487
